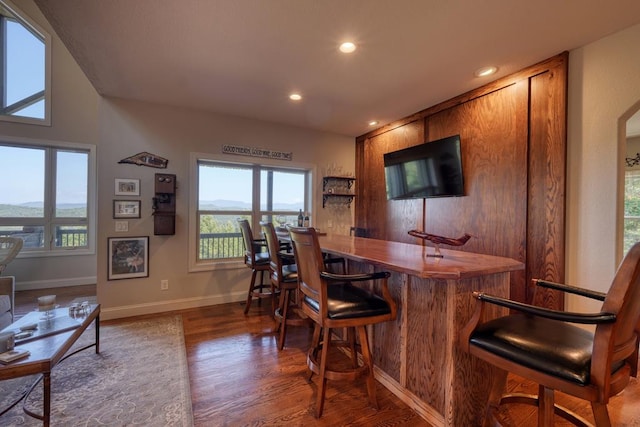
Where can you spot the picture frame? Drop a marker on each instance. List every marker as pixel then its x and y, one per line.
pixel 128 257
pixel 127 187
pixel 126 208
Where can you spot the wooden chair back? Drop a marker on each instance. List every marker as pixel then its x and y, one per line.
pixel 273 245
pixel 618 341
pixel 249 243
pixel 310 264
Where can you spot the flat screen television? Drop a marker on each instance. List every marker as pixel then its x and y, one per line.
pixel 432 169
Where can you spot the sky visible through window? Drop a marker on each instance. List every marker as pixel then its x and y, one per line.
pixel 25 68
pixel 22 176
pixel 235 185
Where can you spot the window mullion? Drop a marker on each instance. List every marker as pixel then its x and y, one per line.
pixel 49 197
pixel 255 198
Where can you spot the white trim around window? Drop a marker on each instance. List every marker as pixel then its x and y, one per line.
pixel 91 218
pixel 194 159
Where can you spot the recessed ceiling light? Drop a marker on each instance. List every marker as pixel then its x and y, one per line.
pixel 347 47
pixel 485 71
pixel 295 97
pixel 373 122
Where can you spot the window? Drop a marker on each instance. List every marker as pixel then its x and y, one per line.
pixel 631 209
pixel 228 191
pixel 25 68
pixel 46 196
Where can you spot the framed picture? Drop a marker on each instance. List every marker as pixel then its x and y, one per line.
pixel 126 208
pixel 127 187
pixel 128 257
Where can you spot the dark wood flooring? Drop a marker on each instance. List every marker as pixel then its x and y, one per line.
pixel 239 378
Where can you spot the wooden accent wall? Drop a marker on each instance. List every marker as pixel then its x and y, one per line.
pixel 513 134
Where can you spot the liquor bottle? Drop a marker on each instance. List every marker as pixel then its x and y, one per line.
pixel 300 219
pixel 306 223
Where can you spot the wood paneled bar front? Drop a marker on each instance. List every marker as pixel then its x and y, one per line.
pixel 417 356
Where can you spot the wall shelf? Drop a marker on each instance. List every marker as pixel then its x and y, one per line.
pixel 337 188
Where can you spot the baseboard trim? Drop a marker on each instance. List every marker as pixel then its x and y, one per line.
pixel 423 409
pixel 56 283
pixel 111 313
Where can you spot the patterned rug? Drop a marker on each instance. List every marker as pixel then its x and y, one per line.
pixel 139 378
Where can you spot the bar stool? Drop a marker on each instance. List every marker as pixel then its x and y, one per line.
pixel 257 261
pixel 332 301
pixel 284 275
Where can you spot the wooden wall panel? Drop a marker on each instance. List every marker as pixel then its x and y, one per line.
pixel 381 219
pixel 547 165
pixel 513 135
pixel 494 159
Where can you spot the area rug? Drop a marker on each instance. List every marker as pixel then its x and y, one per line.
pixel 140 378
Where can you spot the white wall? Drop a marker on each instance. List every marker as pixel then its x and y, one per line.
pixel 74 112
pixel 128 127
pixel 604 87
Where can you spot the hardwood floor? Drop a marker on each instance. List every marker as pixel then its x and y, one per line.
pixel 238 376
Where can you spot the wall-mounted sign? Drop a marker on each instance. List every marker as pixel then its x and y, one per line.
pixel 256 152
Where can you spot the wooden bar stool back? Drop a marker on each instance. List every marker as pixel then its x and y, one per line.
pixel 258 261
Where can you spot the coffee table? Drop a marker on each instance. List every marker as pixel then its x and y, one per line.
pixel 48 346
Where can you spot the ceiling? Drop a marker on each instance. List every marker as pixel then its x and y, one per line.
pixel 244 57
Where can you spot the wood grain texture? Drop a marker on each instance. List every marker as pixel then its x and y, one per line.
pixel 380 217
pixel 438 379
pixel 387 342
pixel 495 168
pixel 411 259
pixel 467 388
pixel 513 135
pixel 427 341
pixel 547 166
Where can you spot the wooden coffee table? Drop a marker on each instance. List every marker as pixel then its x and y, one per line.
pixel 48 347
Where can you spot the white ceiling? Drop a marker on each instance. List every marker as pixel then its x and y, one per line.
pixel 243 57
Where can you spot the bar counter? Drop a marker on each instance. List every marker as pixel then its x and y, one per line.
pixel 417 356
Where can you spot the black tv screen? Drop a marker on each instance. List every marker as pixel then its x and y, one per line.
pixel 432 169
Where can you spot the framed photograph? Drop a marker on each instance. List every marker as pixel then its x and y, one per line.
pixel 128 257
pixel 127 187
pixel 126 208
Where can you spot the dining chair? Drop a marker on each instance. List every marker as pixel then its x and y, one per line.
pixel 549 348
pixel 9 248
pixel 332 301
pixel 257 260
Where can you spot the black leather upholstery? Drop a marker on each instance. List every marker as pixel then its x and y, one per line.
pixel 261 258
pixel 557 348
pixel 290 273
pixel 345 301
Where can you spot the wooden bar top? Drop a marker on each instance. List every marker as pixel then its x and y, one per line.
pixel 411 259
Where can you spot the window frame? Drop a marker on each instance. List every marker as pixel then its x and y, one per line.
pixel 39 32
pixel 633 174
pixel 256 212
pixel 49 220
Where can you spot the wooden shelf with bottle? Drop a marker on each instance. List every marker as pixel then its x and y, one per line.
pixel 333 188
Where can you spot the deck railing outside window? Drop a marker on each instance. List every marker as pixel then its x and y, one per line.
pixel 212 245
pixel 220 245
